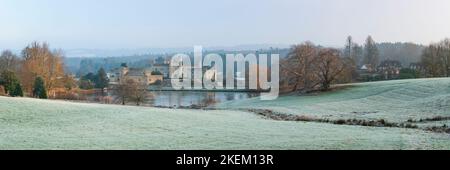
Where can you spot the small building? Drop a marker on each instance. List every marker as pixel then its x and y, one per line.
pixel 417 67
pixel 390 69
pixel 366 68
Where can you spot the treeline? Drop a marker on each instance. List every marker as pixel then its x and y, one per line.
pixel 405 53
pixel 36 71
pixel 310 67
pixel 83 66
pixel 91 80
pixel 436 59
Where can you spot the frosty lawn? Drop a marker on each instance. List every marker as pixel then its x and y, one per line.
pixel 395 101
pixel 43 124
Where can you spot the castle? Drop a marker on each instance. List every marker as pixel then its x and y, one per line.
pixel 141 75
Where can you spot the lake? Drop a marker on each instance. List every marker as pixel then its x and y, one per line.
pixel 181 98
pixel 198 98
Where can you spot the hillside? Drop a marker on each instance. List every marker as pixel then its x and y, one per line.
pixel 394 101
pixel 43 124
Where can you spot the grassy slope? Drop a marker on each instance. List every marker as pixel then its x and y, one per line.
pixel 395 101
pixel 43 124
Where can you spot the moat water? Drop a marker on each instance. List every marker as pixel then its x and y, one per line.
pixel 183 98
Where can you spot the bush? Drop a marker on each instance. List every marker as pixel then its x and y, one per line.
pixel 39 90
pixel 407 73
pixel 370 77
pixel 16 91
pixel 156 72
pixel 66 95
pixel 157 83
pixel 340 122
pixel 86 84
pixel 11 84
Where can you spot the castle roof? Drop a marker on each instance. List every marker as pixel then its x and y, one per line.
pixel 136 72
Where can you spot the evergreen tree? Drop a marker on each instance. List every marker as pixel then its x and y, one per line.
pixel 9 81
pixel 90 76
pixel 39 90
pixel 101 79
pixel 17 91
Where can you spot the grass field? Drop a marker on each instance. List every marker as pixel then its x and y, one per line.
pixel 43 124
pixel 394 101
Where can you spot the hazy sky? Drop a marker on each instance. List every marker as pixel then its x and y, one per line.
pixel 183 23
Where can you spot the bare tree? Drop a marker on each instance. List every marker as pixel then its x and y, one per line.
pixel 371 52
pixel 309 68
pixel 9 61
pixel 131 90
pixel 297 68
pixel 122 91
pixel 138 91
pixel 444 55
pixel 353 53
pixel 329 67
pixel 436 59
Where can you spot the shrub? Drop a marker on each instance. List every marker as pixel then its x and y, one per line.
pixel 156 72
pixel 86 84
pixel 39 90
pixel 10 83
pixel 17 90
pixel 407 73
pixel 340 122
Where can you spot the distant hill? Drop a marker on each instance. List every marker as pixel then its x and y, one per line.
pixel 84 65
pixel 394 101
pixel 144 51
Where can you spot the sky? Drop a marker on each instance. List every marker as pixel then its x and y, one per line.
pixel 112 24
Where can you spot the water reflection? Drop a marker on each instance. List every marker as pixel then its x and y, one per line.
pixel 173 98
pixel 190 98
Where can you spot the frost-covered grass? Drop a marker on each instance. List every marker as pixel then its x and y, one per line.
pixel 43 124
pixel 395 101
